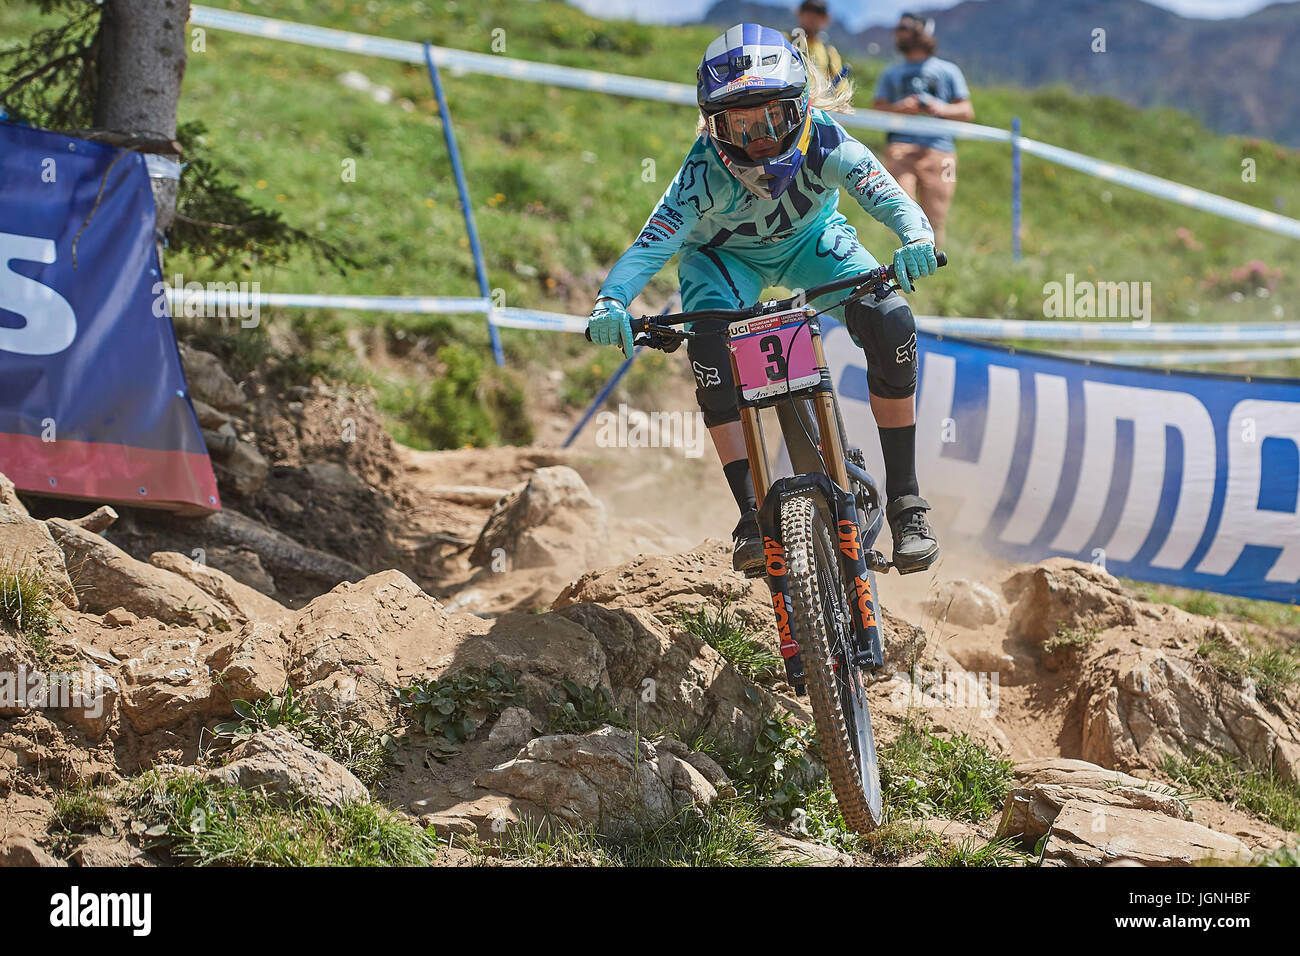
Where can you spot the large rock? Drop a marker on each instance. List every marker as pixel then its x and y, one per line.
pixel 22 850
pixel 671 680
pixel 169 685
pixel 209 382
pixel 108 578
pixel 1094 834
pixel 246 603
pixel 26 542
pixel 277 763
pixel 554 520
pixel 1061 594
pixel 608 780
pixel 966 604
pixel 1142 703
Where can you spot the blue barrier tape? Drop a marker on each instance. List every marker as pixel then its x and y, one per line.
pixel 1194 357
pixel 684 95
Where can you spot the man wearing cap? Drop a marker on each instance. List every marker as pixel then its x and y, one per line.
pixel 814 20
pixel 921 84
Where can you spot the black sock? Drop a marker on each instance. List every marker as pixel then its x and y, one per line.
pixel 898 445
pixel 742 484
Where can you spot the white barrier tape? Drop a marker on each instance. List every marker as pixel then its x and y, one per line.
pixel 160 167
pixel 1048 330
pixel 427 305
pixel 684 95
pixel 1204 357
pixel 533 319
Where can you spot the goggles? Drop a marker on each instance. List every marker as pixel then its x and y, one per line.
pixel 744 125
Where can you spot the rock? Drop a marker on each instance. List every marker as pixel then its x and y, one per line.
pixel 98 521
pixel 169 686
pixel 244 566
pixel 1029 811
pixel 475 496
pixel 790 851
pixel 252 663
pixel 246 603
pixel 22 850
pixel 208 381
pixel 242 468
pixel 275 762
pixel 554 520
pixel 1061 594
pixel 607 780
pixel 277 551
pixel 513 729
pixel 1064 771
pixel 208 416
pixel 108 578
pixel 966 604
pixel 1143 703
pixel 101 853
pixel 670 679
pixel 27 543
pixel 119 617
pixel 1093 834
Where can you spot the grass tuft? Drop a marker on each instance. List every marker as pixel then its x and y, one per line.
pixel 1273 672
pixel 730 637
pixel 27 606
pixel 924 775
pixel 1264 794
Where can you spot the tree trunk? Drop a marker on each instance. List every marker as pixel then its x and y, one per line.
pixel 141 65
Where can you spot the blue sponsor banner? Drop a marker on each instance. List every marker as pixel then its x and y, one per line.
pixel 93 402
pixel 1184 479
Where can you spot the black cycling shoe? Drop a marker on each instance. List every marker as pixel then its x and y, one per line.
pixel 915 547
pixel 747 544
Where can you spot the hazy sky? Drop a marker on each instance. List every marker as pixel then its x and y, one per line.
pixel 856 14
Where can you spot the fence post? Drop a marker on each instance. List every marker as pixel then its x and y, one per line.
pixel 1015 187
pixel 450 135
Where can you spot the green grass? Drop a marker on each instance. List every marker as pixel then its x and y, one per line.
pixel 82 807
pixel 724 834
pixel 718 626
pixel 1273 671
pixel 1270 614
pixel 1267 796
pixel 197 824
pixel 1072 638
pixel 970 852
pixel 367 753
pixel 925 775
pixel 557 186
pixel 27 608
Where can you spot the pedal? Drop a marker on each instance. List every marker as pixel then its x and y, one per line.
pixel 876 561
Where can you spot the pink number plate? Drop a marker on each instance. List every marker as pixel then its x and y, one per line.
pixel 774 354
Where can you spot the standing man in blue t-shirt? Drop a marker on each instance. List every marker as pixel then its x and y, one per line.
pixel 921 83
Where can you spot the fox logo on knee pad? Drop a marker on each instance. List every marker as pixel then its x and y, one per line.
pixel 707 375
pixel 906 353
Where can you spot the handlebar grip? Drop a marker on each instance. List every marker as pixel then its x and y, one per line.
pixel 638 326
pixel 941 258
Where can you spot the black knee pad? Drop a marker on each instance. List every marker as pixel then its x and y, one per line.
pixel 886 331
pixel 715 390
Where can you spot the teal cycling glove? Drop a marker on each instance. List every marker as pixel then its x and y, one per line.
pixel 611 324
pixel 912 261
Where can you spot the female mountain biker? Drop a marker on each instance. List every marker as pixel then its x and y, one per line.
pixel 754 205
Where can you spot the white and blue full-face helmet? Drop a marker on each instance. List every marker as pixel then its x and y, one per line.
pixel 753 85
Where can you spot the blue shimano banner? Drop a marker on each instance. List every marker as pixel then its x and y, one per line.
pixel 1183 479
pixel 93 402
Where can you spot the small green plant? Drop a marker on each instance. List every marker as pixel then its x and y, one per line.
pixel 731 638
pixel 1282 856
pixel 1264 794
pixel 1273 671
pixel 580 710
pixel 782 773
pixel 900 838
pixel 970 852
pixel 451 709
pixel 199 824
pixel 924 775
pixel 81 808
pixel 364 751
pixel 1071 638
pixel 27 606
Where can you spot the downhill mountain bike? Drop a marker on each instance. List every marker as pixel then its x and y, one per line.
pixel 818 525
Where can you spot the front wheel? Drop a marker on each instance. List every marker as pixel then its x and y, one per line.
pixel 819 617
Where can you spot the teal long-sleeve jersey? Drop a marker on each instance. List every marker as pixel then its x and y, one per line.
pixel 706 206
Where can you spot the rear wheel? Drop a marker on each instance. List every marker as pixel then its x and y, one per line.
pixel 819 616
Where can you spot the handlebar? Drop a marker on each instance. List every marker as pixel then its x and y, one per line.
pixel 873 280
